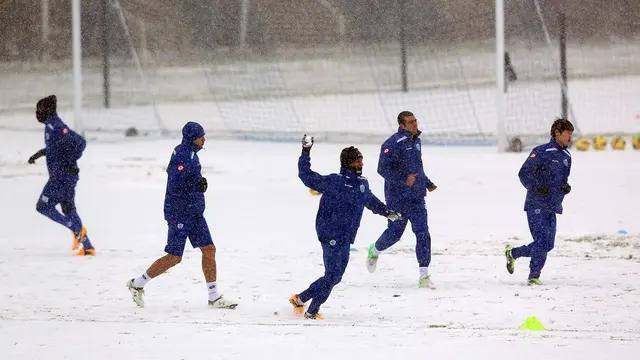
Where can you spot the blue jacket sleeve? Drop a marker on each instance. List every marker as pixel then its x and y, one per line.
pixel 193 175
pixel 184 175
pixel 386 161
pixel 310 178
pixel 375 205
pixel 428 183
pixel 528 172
pixel 176 176
pixel 65 145
pixel 73 145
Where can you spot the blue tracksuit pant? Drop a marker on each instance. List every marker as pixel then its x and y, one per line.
pixel 542 225
pixel 336 258
pixel 61 192
pixel 416 212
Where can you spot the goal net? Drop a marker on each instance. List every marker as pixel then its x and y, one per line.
pixel 600 58
pixel 342 70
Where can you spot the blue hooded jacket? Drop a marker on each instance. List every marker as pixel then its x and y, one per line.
pixel 344 197
pixel 182 199
pixel 400 156
pixel 64 147
pixel 547 165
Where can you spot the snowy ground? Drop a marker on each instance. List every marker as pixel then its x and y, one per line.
pixel 55 306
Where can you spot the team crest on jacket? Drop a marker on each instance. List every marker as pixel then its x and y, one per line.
pixel 418 147
pixel 65 131
pixel 385 151
pixel 361 188
pixel 565 162
pixel 180 167
pixel 532 155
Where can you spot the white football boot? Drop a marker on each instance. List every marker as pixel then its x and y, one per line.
pixel 137 294
pixel 222 303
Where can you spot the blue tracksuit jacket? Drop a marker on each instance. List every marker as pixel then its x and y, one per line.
pixel 547 165
pixel 401 155
pixel 344 197
pixel 63 149
pixel 182 198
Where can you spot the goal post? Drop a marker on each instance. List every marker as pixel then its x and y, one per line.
pixel 512 136
pixel 77 66
pixel 502 140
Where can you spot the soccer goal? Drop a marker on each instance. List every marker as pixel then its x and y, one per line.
pixel 564 59
pixel 481 72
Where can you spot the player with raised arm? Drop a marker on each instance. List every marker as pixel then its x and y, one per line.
pixel 344 197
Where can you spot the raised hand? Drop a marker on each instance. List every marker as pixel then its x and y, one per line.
pixel 307 142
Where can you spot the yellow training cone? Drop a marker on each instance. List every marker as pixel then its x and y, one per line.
pixel 532 323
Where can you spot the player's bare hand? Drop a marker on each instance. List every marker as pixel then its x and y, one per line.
pixel 432 187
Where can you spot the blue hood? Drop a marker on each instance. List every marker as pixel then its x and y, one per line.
pixel 191 131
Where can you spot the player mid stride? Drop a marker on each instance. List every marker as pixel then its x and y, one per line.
pixel 183 210
pixel 545 175
pixel 344 197
pixel 63 149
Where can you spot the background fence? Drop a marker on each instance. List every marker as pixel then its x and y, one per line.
pixel 243 54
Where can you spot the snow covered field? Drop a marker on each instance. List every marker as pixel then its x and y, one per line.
pixel 55 306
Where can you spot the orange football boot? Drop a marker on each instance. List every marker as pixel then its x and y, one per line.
pixel 313 316
pixel 77 240
pixel 298 308
pixel 85 252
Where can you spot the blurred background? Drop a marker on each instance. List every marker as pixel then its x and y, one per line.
pixel 299 65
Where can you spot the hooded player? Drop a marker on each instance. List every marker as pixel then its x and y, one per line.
pixel 184 212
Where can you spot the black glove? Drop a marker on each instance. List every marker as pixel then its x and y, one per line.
pixel 543 190
pixel 73 169
pixel 202 185
pixel 307 143
pixel 566 188
pixel 40 153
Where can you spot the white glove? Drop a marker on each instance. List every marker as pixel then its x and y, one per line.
pixel 307 142
pixel 393 216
